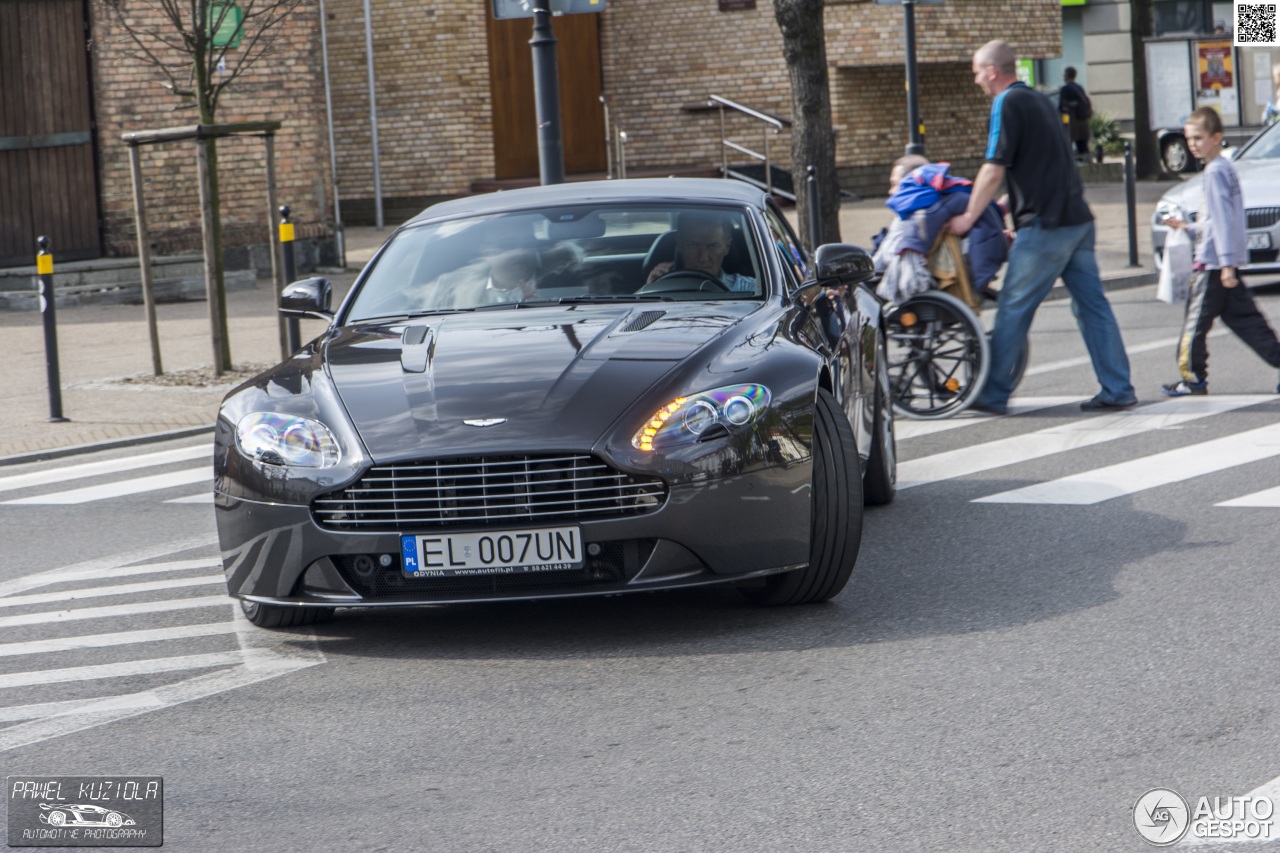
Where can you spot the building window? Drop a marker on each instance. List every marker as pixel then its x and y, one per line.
pixel 1195 17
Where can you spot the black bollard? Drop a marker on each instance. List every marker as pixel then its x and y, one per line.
pixel 815 209
pixel 1131 203
pixel 290 269
pixel 48 311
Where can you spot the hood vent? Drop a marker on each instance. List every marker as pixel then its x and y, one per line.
pixel 415 349
pixel 643 319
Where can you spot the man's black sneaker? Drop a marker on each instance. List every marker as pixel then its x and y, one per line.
pixel 1183 388
pixel 1097 404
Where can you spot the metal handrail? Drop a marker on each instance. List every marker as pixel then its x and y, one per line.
pixel 615 142
pixel 773 126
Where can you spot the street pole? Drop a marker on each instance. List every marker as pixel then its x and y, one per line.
pixel 373 118
pixel 916 145
pixel 546 95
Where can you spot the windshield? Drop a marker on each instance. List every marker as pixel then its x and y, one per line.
pixel 1266 146
pixel 642 251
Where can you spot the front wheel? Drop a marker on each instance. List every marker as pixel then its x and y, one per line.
pixel 276 616
pixel 1176 155
pixel 938 356
pixel 835 525
pixel 880 484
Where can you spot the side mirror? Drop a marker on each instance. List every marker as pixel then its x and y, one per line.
pixel 840 263
pixel 310 297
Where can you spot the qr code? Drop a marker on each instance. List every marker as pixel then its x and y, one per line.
pixel 1256 24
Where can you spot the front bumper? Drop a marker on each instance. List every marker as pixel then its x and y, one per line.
pixel 726 529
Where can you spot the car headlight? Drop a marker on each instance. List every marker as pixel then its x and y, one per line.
pixel 707 415
pixel 280 439
pixel 1167 210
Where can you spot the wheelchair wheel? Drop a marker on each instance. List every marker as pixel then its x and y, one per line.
pixel 938 356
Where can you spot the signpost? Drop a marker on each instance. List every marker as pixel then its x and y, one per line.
pixel 916 145
pixel 546 85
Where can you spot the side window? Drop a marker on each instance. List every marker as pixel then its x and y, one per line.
pixel 793 257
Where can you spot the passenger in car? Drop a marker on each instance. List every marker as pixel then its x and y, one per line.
pixel 703 240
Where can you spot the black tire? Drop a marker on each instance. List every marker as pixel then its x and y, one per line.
pixel 938 356
pixel 835 528
pixel 880 484
pixel 276 616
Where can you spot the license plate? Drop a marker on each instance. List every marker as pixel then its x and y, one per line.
pixel 1259 240
pixel 508 552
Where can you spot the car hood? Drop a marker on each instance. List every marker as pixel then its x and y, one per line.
pixel 1259 183
pixel 530 379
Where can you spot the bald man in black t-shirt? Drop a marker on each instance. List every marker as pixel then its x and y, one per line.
pixel 1027 150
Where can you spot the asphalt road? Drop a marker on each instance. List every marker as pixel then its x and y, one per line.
pixel 1012 667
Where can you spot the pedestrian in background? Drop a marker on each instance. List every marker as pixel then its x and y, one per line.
pixel 1076 110
pixel 1027 149
pixel 1220 249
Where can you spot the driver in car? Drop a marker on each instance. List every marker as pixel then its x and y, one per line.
pixel 702 243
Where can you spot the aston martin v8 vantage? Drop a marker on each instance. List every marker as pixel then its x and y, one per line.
pixel 573 390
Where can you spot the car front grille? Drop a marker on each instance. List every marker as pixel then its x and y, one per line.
pixel 1261 217
pixel 489 489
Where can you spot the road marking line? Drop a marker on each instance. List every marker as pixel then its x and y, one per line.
pixel 1079 361
pixel 121 707
pixel 97 574
pixel 1081 432
pixel 120 488
pixel 49 616
pixel 202 498
pixel 109 466
pixel 904 427
pixel 1159 469
pixel 104 565
pixel 16 713
pixel 1267 497
pixel 120 638
pixel 121 669
pixel 101 591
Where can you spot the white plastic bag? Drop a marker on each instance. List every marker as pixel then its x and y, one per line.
pixel 1175 268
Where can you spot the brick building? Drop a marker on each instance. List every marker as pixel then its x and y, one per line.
pixel 454 98
pixel 441 69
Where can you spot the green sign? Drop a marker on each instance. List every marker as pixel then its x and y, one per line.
pixel 1027 71
pixel 1075 2
pixel 226 24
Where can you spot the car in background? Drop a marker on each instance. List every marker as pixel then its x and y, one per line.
pixel 530 394
pixel 1257 162
pixel 1175 154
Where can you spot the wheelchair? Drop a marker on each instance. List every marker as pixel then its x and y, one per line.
pixel 938 351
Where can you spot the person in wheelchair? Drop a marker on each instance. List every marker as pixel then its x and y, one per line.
pixel 925 196
pixel 703 240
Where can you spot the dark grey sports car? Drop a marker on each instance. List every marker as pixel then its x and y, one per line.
pixel 572 390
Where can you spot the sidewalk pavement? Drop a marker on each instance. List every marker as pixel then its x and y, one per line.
pixel 110 396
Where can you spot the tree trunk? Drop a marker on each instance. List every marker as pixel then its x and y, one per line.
pixel 214 277
pixel 1142 25
pixel 813 143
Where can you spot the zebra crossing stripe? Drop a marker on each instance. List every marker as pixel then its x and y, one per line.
pixel 114 589
pixel 1265 498
pixel 904 428
pixel 107 466
pixel 122 669
pixel 1079 432
pixel 122 488
pixel 120 638
pixel 49 617
pixel 1160 469
pixel 14 713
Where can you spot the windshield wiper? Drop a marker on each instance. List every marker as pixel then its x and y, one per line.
pixel 600 298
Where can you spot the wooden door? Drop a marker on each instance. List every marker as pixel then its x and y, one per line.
pixel 515 131
pixel 48 178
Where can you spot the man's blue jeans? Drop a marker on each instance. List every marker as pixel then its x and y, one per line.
pixel 1038 258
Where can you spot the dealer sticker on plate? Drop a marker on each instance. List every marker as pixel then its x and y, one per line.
pixel 506 552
